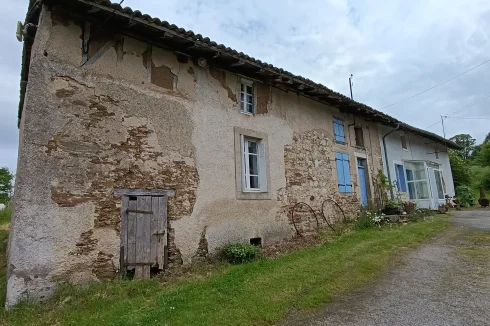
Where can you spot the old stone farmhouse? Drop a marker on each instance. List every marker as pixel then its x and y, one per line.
pixel 144 145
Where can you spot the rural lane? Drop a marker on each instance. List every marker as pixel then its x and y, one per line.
pixel 446 281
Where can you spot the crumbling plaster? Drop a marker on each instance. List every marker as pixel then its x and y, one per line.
pixel 87 130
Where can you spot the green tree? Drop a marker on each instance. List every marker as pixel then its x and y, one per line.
pixel 475 152
pixel 467 142
pixel 5 185
pixel 483 156
pixel 460 169
pixel 487 138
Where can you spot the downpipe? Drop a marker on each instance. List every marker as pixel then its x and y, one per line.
pixel 392 194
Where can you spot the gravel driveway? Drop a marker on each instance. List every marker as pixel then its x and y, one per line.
pixel 446 281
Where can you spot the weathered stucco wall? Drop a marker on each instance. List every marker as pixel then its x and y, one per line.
pixel 139 118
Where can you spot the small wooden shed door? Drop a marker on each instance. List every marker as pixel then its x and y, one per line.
pixel 144 233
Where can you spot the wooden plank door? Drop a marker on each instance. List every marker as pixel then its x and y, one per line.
pixel 143 233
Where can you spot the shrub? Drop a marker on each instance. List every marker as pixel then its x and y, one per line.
pixel 369 219
pixel 5 214
pixel 409 206
pixel 465 196
pixel 420 214
pixel 480 177
pixel 392 207
pixel 460 169
pixel 239 253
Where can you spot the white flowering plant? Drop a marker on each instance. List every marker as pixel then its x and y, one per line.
pixel 368 219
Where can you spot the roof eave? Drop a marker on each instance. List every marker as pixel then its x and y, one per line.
pixel 221 57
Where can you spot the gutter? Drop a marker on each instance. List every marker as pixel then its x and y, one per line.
pixel 26 53
pixel 392 194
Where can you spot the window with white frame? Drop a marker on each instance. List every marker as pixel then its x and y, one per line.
pixel 417 180
pixel 247 104
pixel 439 184
pixel 253 165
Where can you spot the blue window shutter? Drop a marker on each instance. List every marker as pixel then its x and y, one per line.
pixel 397 181
pixel 343 172
pixel 340 172
pixel 401 182
pixel 336 129
pixel 341 131
pixel 348 183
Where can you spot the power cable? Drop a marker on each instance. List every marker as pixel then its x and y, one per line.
pixel 485 97
pixel 472 118
pixel 444 82
pixel 461 110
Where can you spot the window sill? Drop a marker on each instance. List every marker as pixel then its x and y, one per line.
pixel 253 195
pixel 340 142
pixel 405 149
pixel 247 113
pixel 360 147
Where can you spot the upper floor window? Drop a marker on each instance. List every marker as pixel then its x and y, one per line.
pixel 403 139
pixel 359 136
pixel 343 172
pixel 247 104
pixel 338 127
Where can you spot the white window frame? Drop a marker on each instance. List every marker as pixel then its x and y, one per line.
pixel 443 190
pixel 245 104
pixel 246 163
pixel 416 183
pixel 243 190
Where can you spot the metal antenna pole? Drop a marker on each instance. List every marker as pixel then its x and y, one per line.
pixel 443 127
pixel 350 86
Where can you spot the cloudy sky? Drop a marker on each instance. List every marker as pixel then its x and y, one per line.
pixel 394 49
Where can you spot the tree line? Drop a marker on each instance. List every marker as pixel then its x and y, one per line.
pixel 470 166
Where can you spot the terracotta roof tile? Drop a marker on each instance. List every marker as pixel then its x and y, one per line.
pixel 213 45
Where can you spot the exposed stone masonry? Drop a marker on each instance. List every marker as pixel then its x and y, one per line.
pixel 311 177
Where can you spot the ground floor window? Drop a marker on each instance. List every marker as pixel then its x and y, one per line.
pixel 440 187
pixel 417 180
pixel 251 164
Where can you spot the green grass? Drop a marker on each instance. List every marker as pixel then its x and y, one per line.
pixel 258 293
pixel 5 215
pixel 477 252
pixel 3 266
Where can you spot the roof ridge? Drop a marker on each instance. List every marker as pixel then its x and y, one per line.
pixel 325 94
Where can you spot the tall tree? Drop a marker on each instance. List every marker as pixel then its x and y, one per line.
pixel 460 169
pixel 475 152
pixel 487 138
pixel 483 156
pixel 465 141
pixel 5 185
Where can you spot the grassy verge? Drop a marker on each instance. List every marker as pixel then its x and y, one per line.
pixel 5 215
pixel 3 266
pixel 258 293
pixel 477 253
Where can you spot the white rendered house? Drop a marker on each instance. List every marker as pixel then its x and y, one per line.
pixel 417 165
